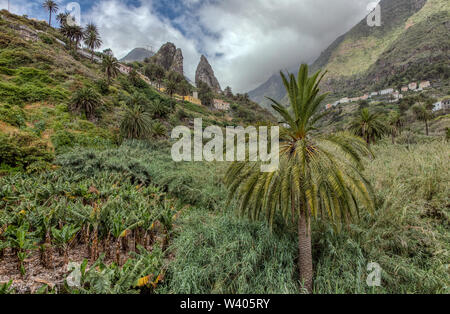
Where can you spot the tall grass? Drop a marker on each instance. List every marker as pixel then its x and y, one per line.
pixel 408 235
pixel 224 254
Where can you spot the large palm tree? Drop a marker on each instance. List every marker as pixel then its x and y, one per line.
pixel 171 87
pixel 368 125
pixel 52 7
pixel 395 123
pixel 92 38
pixel 91 27
pixel 136 123
pixel 423 113
pixel 318 175
pixel 110 65
pixel 87 101
pixel 77 35
pixel 62 18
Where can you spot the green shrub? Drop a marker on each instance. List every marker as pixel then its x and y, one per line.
pixel 22 150
pixel 32 75
pixel 46 39
pixel 29 92
pixel 7 71
pixel 13 115
pixel 14 58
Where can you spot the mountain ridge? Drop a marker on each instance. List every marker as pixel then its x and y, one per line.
pixel 137 54
pixel 363 58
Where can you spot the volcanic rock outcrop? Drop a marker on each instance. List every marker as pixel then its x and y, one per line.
pixel 170 58
pixel 206 75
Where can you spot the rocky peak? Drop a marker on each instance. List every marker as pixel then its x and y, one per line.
pixel 206 75
pixel 177 63
pixel 170 58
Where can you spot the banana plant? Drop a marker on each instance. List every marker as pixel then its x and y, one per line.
pixel 167 217
pixel 5 288
pixel 64 237
pixel 46 230
pixel 21 240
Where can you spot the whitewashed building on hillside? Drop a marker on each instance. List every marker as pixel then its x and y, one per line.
pixel 387 91
pixel 219 104
pixel 425 84
pixel 412 86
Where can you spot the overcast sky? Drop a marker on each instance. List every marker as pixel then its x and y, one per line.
pixel 246 41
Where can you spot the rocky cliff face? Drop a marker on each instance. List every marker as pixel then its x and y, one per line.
pixel 206 75
pixel 170 58
pixel 177 63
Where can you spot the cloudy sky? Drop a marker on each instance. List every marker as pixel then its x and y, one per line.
pixel 246 41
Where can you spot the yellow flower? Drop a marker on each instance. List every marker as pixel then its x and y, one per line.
pixel 124 233
pixel 22 212
pixel 143 281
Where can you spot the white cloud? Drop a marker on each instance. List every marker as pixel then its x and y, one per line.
pixel 245 41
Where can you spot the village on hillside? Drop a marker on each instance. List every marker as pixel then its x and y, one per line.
pixel 393 96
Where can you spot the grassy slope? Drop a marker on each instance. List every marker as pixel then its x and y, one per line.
pixel 38 77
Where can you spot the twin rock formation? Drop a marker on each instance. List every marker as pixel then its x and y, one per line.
pixel 171 59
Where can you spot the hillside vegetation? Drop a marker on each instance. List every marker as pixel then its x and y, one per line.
pixel 75 187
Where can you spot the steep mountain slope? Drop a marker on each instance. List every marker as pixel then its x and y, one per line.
pixel 411 44
pixel 39 76
pixel 137 54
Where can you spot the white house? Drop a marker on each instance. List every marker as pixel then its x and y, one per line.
pixel 124 69
pixel 425 84
pixel 387 91
pixel 446 103
pixel 219 104
pixel 412 86
pixel 437 106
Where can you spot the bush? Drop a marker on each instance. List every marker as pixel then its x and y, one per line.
pixel 38 77
pixel 29 92
pixel 14 58
pixel 46 39
pixel 22 150
pixel 197 184
pixel 12 115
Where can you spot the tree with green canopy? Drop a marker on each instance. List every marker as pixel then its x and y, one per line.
pixel 52 7
pixel 319 175
pixel 368 125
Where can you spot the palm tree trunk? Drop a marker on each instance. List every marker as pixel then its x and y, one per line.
pixel 50 19
pixel 304 252
pixel 426 127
